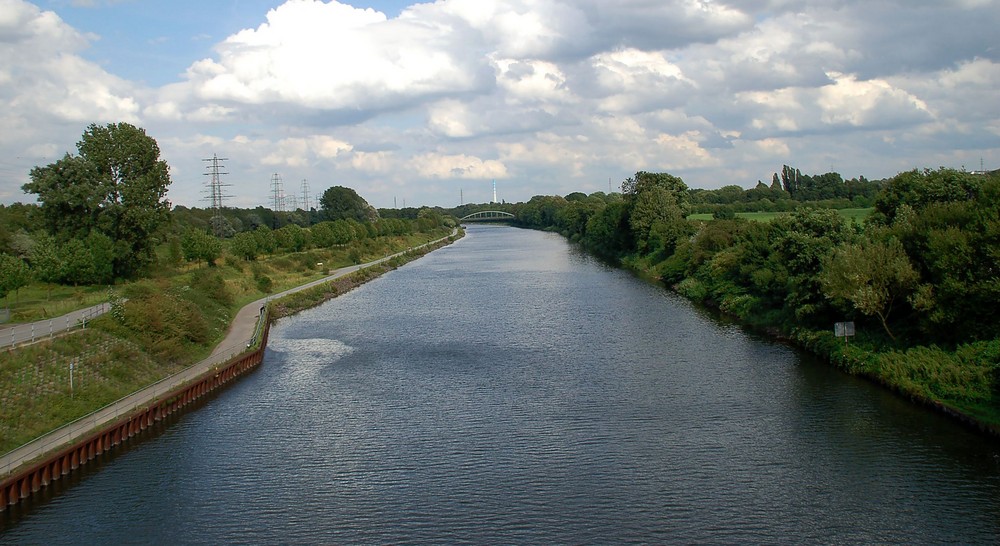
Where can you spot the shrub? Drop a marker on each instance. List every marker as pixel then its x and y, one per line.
pixel 211 284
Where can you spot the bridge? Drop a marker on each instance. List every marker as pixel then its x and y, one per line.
pixel 488 216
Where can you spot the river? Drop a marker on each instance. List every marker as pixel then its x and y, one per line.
pixel 511 389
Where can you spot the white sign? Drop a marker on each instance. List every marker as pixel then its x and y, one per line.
pixel 843 329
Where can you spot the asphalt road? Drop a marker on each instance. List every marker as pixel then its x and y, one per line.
pixel 42 329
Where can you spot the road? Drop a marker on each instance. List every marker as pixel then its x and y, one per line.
pixel 34 331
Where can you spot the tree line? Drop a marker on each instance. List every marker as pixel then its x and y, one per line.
pixel 922 267
pixel 102 215
pixel 919 276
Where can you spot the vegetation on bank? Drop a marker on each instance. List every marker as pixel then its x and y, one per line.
pixel 917 275
pixel 104 232
pixel 167 324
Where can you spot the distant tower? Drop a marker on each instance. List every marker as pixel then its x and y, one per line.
pixel 494 190
pixel 215 192
pixel 277 194
pixel 305 195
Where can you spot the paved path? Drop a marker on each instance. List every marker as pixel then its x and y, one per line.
pixel 30 332
pixel 241 330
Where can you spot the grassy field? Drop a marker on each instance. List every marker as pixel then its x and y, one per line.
pixel 854 215
pixel 168 323
pixel 44 301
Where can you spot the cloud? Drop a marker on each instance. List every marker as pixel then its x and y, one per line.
pixel 49 92
pixel 331 56
pixel 458 166
pixel 546 96
pixel 844 104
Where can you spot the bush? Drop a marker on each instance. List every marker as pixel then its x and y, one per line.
pixel 211 284
pixel 264 283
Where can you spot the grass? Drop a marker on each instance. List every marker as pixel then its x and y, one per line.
pixel 35 391
pixel 42 301
pixel 854 215
pixel 170 322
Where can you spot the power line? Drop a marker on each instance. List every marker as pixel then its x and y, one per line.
pixel 277 194
pixel 305 195
pixel 215 191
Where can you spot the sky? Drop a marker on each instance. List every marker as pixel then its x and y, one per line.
pixel 414 104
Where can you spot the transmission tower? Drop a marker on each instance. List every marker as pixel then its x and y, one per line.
pixel 215 191
pixel 277 194
pixel 305 195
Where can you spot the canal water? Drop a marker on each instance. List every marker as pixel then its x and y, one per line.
pixel 509 389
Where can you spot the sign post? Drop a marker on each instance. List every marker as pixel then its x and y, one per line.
pixel 844 330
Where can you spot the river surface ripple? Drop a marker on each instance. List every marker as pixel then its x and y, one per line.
pixel 511 389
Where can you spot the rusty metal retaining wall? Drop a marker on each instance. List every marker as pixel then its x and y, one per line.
pixel 33 477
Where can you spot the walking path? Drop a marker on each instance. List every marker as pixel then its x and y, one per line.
pixel 238 338
pixel 30 332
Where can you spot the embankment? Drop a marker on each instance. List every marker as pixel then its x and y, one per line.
pixel 24 479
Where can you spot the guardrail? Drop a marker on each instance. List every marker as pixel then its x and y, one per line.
pixel 34 331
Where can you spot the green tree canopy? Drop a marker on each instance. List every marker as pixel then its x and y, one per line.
pixel 198 245
pixel 71 196
pixel 873 275
pixel 14 274
pixel 340 203
pixel 920 189
pixel 658 205
pixel 116 186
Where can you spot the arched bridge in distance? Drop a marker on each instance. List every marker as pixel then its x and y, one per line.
pixel 488 216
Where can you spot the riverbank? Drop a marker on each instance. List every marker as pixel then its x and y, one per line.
pixel 300 300
pixel 959 382
pixel 243 333
pixel 908 373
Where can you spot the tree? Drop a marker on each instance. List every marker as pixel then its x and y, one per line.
pixel 643 181
pixel 77 264
pixel 607 232
pixel 136 179
pixel 322 234
pixel 244 246
pixel 919 189
pixel 198 245
pixel 339 203
pixel 266 243
pixel 44 259
pixel 657 209
pixel 342 232
pixel 291 238
pixel 14 274
pixel 71 194
pixel 873 275
pixel 800 242
pixel 117 186
pixel 656 219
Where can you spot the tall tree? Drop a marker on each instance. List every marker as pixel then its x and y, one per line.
pixel 116 186
pixel 71 195
pixel 339 203
pixel 14 274
pixel 873 275
pixel 657 206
